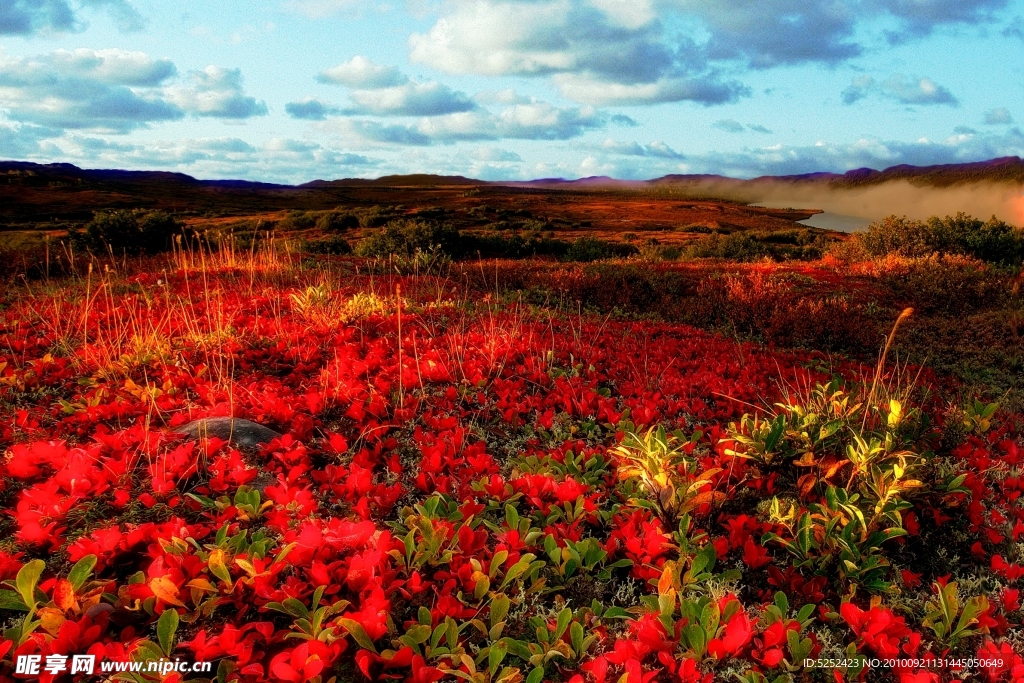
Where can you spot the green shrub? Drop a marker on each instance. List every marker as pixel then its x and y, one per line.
pixel 740 246
pixel 524 245
pixel 993 240
pixel 129 232
pixel 407 237
pixel 375 216
pixel 779 245
pixel 431 213
pixel 536 225
pixel 587 249
pixel 950 285
pixel 298 220
pixel 337 221
pixel 331 244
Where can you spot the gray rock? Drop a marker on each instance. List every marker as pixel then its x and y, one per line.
pixel 245 433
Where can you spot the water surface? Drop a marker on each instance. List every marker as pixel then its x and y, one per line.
pixel 828 220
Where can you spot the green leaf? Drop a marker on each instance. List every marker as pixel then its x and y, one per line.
pixel 511 516
pixel 166 627
pixel 564 617
pixel 782 603
pixel 80 572
pixel 518 648
pixel 497 561
pixel 695 638
pixel 499 608
pixel 705 559
pixel 482 586
pixel 552 549
pixel 295 608
pixel 956 483
pixel 147 651
pixel 972 608
pixel 515 571
pixel 419 634
pixel 576 636
pixel 536 676
pixel 12 601
pixel 358 634
pixel 202 500
pixel 495 655
pixel 218 565
pixel 27 579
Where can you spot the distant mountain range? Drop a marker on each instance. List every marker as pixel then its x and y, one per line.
pixel 1002 170
pixel 32 192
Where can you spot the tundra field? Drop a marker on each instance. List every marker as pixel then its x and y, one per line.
pixel 517 448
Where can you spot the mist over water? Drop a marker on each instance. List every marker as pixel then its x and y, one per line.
pixel 851 209
pixel 828 220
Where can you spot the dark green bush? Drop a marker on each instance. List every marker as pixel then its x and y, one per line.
pixel 587 249
pixel 298 220
pixel 536 225
pixel 949 285
pixel 525 245
pixel 375 216
pixel 407 237
pixel 431 213
pixel 129 232
pixel 337 221
pixel 331 244
pixel 992 240
pixel 779 245
pixel 740 246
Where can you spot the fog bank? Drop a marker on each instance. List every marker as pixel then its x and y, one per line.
pixel 877 201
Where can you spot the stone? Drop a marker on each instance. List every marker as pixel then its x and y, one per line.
pixel 245 433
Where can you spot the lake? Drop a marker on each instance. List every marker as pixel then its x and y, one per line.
pixel 827 220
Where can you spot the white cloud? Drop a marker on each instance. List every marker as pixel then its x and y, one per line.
pixel 22 141
pixel 216 92
pixel 362 131
pixel 599 51
pixel 917 91
pixel 318 9
pixel 631 14
pixel 28 17
pixel 410 99
pixel 122 12
pixel 900 88
pixel 866 152
pixel 276 160
pixel 499 37
pixel 112 90
pixel 115 91
pixel 533 121
pixel 505 96
pixel 493 154
pixel 311 109
pixel 1000 116
pixel 921 17
pixel 777 32
pixel 706 90
pixel 656 149
pixel 728 125
pixel 653 51
pixel 360 72
pixel 25 17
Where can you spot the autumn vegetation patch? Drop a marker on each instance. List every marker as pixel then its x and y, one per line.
pixel 704 473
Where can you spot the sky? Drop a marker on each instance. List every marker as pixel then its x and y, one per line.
pixel 296 90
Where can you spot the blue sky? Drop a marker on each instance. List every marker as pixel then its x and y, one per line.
pixel 293 90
